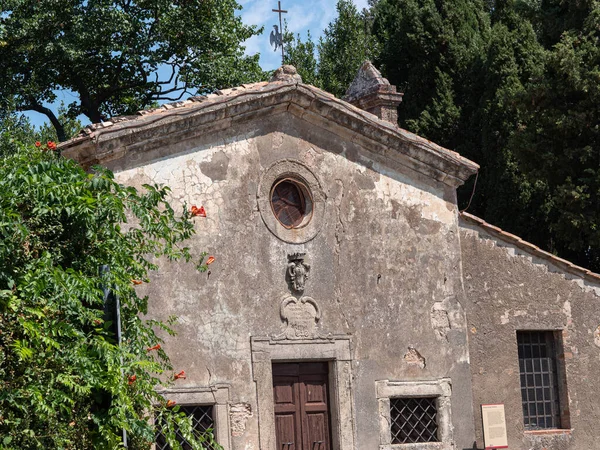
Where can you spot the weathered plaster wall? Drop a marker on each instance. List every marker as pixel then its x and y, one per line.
pixel 508 290
pixel 385 267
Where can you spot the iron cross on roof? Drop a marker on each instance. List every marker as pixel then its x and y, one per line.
pixel 277 35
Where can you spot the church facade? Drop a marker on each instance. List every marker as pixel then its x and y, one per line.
pixel 350 304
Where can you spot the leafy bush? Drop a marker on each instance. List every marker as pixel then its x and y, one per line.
pixel 65 381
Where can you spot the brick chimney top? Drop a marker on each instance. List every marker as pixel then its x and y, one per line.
pixel 373 93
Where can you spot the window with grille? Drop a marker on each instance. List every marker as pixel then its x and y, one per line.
pixel 539 379
pixel 413 420
pixel 291 203
pixel 202 420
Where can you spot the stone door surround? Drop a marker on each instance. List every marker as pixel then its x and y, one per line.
pixel 336 351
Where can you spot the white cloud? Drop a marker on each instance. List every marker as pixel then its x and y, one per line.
pixel 302 16
pixel 360 4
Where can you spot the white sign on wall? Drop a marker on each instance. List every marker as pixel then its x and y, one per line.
pixel 494 426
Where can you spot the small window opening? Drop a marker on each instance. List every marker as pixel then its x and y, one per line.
pixel 291 203
pixel 540 382
pixel 202 422
pixel 414 420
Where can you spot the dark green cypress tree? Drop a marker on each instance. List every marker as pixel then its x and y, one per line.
pixel 558 142
pixel 429 49
pixel 513 61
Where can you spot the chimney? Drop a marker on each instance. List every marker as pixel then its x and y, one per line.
pixel 373 93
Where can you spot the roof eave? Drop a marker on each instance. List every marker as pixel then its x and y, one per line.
pixel 391 144
pixel 532 249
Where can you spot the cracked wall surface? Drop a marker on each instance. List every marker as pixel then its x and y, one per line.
pixel 509 290
pixel 386 259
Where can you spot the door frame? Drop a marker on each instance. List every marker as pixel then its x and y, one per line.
pixel 337 351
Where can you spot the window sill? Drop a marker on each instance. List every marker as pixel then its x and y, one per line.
pixel 418 446
pixel 553 431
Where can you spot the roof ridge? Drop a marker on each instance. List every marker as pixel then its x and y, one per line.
pixel 422 155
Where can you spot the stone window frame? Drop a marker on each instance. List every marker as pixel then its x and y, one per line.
pixel 563 396
pixel 440 388
pixel 294 170
pixel 337 351
pixel 216 396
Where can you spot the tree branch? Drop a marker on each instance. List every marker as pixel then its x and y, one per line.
pixel 157 97
pixel 35 106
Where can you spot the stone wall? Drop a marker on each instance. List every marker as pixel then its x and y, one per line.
pixel 509 289
pixel 384 272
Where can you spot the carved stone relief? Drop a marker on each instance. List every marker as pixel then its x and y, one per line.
pixel 299 314
pixel 597 337
pixel 297 272
pixel 300 317
pixel 440 321
pixel 414 358
pixel 239 414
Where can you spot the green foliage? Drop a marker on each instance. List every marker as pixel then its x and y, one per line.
pixel 71 126
pixel 513 85
pixel 301 55
pixel 109 52
pixel 346 43
pixel 65 382
pixel 558 141
pixel 14 129
pixel 514 58
pixel 431 50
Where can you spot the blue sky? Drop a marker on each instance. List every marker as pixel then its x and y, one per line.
pixel 302 16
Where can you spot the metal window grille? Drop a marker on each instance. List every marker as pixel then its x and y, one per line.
pixel 539 379
pixel 413 420
pixel 202 420
pixel 289 203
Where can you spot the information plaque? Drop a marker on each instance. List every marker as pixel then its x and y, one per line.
pixel 494 426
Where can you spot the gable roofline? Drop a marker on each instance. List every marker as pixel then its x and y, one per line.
pixel 531 249
pixel 107 141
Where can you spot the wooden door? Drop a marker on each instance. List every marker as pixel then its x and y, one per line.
pixel 300 393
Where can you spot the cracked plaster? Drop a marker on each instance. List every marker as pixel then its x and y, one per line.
pixel 387 251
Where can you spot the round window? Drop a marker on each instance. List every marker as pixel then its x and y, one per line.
pixel 291 203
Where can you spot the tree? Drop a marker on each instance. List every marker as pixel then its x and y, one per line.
pixel 301 55
pixel 118 56
pixel 431 50
pixel 70 126
pixel 558 141
pixel 65 380
pixel 14 129
pixel 513 61
pixel 345 45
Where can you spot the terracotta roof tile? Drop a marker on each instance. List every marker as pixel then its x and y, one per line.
pixel 534 250
pixel 426 153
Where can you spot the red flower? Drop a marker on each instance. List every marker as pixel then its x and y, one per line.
pixel 136 282
pixel 132 379
pixel 198 212
pixel 180 375
pixel 51 145
pixel 171 403
pixel 210 260
pixel 38 144
pixel 97 322
pixel 155 347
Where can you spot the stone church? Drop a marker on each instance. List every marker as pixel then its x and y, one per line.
pixel 351 305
